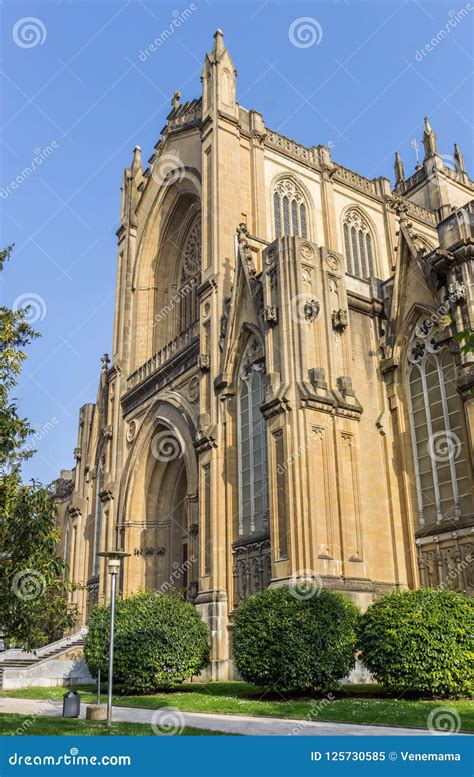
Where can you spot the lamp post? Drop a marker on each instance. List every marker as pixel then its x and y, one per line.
pixel 114 559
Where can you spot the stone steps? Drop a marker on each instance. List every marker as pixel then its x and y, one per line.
pixel 24 663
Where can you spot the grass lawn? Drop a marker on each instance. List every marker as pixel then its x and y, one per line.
pixel 364 704
pixel 14 725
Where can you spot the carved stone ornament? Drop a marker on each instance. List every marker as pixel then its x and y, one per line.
pixel 457 292
pixel 77 454
pixel 192 250
pixel 270 314
pixel 340 320
pixel 270 256
pixel 311 309
pixel 193 389
pixel 306 251
pixel 204 362
pixel 332 262
pixel 245 250
pixel 422 344
pixel 132 429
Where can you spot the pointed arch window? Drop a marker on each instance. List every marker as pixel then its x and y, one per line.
pixel 189 277
pixel 358 245
pixel 253 475
pixel 437 426
pixel 290 211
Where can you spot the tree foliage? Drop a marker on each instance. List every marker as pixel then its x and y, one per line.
pixel 420 641
pixel 289 644
pixel 160 640
pixel 33 591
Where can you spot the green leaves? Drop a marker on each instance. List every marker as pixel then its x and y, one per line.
pixel 466 337
pixel 290 644
pixel 33 588
pixel 420 641
pixel 160 641
pixel 33 591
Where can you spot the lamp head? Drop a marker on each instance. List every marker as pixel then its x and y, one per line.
pixel 114 559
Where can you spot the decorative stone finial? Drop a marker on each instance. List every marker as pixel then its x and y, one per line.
pixel 175 100
pixel 429 139
pixel 219 46
pixel 399 169
pixel 458 159
pixel 137 160
pixel 105 361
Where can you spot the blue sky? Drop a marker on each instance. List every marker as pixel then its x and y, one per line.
pixel 83 97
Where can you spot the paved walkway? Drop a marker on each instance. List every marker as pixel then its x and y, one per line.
pixel 230 724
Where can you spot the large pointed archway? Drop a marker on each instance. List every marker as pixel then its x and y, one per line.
pixel 159 519
pixel 165 535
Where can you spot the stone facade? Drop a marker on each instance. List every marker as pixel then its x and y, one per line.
pixel 285 397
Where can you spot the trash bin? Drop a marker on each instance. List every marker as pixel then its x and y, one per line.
pixel 71 704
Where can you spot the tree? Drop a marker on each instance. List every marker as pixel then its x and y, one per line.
pixel 160 641
pixel 290 640
pixel 33 587
pixel 420 641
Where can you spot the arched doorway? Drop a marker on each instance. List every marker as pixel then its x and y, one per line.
pixel 165 535
pixel 159 513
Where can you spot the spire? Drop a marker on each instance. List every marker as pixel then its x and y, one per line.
pixel 219 79
pixel 219 46
pixel 458 160
pixel 399 169
pixel 137 166
pixel 429 140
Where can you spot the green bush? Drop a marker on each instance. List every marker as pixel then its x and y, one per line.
pixel 159 642
pixel 420 641
pixel 288 642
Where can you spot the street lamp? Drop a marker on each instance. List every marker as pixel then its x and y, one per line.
pixel 114 559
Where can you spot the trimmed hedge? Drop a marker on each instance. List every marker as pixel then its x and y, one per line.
pixel 287 643
pixel 420 641
pixel 159 642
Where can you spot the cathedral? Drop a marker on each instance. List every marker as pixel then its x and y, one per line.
pixel 286 397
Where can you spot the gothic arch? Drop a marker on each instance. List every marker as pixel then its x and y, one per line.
pixel 437 425
pixel 361 257
pixel 159 483
pixel 291 220
pixel 403 337
pixel 237 350
pixel 154 311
